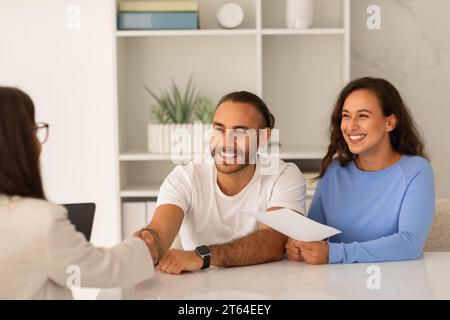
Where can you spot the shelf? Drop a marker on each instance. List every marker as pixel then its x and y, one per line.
pixel 183 33
pixel 316 31
pixel 286 153
pixel 144 156
pixel 301 153
pixel 140 191
pixel 222 32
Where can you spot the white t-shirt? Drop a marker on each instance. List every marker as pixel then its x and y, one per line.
pixel 212 217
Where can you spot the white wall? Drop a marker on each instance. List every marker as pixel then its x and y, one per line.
pixel 412 50
pixel 70 76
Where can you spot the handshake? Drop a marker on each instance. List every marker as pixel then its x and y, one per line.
pixel 149 236
pixel 168 260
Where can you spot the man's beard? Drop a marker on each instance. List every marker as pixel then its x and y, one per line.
pixel 238 163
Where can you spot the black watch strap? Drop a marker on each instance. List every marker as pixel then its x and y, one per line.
pixel 206 261
pixel 205 254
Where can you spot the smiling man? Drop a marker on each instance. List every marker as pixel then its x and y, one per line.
pixel 203 201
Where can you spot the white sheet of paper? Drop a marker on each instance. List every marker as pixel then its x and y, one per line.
pixel 293 224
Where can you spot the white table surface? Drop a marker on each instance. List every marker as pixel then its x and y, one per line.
pixel 427 278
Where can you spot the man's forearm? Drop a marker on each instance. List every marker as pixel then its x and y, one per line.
pixel 259 247
pixel 165 225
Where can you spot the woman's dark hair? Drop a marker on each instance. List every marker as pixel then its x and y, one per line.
pixel 19 160
pixel 405 138
pixel 254 100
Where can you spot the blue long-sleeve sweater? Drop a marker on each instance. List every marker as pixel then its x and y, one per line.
pixel 383 215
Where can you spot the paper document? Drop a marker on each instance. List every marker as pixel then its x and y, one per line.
pixel 293 224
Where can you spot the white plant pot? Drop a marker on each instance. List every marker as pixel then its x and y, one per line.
pixel 178 139
pixel 299 14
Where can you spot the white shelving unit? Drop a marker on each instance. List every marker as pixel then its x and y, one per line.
pixel 140 191
pixel 185 33
pixel 297 72
pixel 316 31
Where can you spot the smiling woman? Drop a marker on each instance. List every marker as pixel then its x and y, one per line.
pixel 389 118
pixel 376 184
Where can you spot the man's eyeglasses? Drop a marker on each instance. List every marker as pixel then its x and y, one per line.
pixel 42 129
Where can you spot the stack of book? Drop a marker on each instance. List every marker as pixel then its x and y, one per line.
pixel 157 15
pixel 135 216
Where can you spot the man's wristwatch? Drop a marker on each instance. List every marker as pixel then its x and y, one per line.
pixel 205 254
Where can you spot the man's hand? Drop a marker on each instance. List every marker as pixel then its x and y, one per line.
pixel 293 251
pixel 315 252
pixel 177 261
pixel 147 236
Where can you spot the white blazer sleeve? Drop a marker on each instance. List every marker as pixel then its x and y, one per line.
pixel 122 265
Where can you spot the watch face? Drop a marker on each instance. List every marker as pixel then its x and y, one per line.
pixel 203 250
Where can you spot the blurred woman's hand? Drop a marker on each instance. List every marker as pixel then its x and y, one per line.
pixel 315 252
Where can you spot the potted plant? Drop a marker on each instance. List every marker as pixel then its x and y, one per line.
pixel 175 110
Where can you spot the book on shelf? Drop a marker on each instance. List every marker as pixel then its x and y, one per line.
pixel 136 215
pixel 157 20
pixel 158 6
pixel 150 209
pixel 133 217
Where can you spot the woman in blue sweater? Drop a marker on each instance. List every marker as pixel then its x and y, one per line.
pixel 376 184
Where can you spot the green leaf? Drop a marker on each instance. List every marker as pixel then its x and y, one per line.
pixel 205 110
pixel 174 106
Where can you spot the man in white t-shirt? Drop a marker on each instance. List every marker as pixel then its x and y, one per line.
pixel 203 202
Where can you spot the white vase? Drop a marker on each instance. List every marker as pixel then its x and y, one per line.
pixel 178 139
pixel 230 15
pixel 299 14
